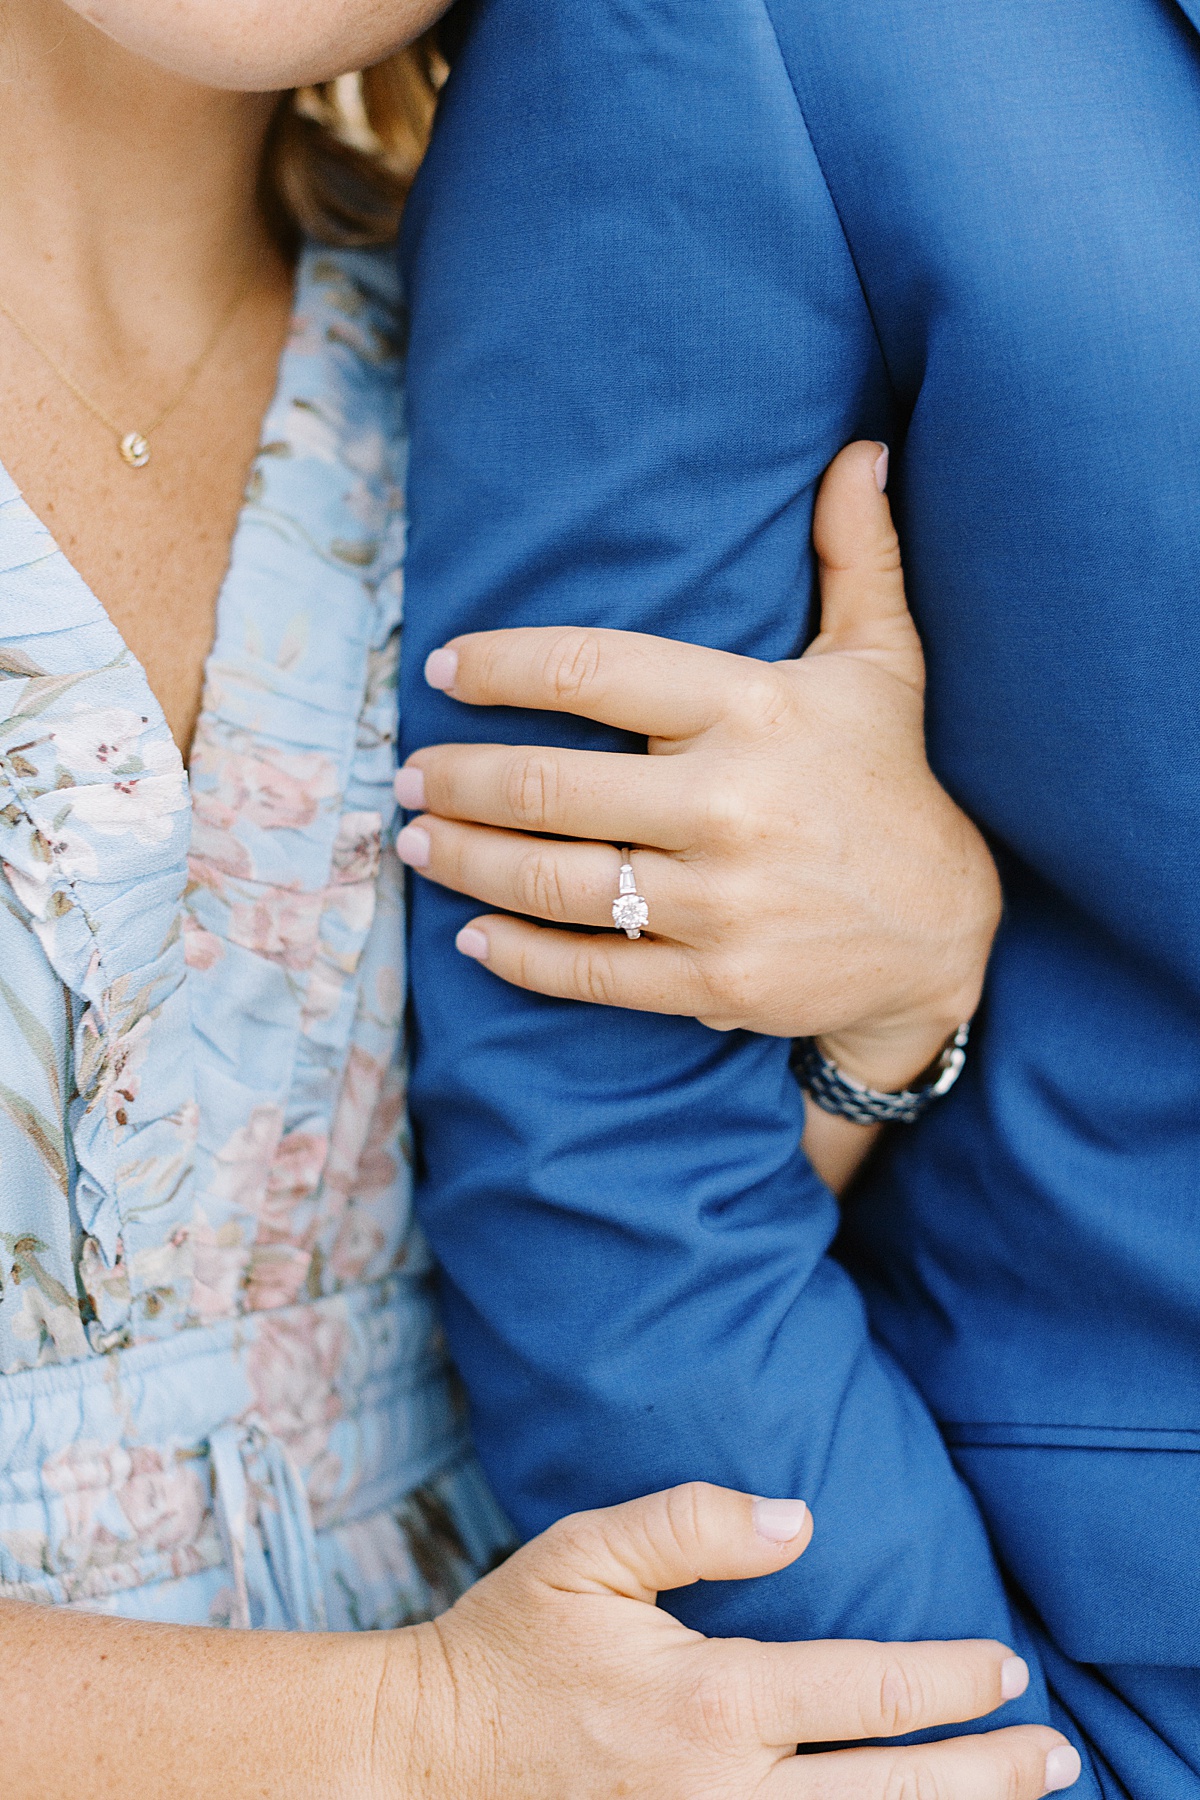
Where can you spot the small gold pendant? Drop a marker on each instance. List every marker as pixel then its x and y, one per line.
pixel 135 450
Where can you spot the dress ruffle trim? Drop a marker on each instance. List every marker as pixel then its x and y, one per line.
pixel 211 939
pixel 94 821
pixel 292 783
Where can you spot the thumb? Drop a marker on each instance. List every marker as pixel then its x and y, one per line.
pixel 667 1540
pixel 864 611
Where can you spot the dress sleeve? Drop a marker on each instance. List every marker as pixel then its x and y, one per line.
pixel 637 338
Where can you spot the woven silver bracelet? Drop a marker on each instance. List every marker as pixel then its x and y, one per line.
pixel 836 1092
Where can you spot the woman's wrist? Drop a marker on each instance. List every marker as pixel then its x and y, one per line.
pixel 893 1053
pixel 890 1061
pixel 432 1721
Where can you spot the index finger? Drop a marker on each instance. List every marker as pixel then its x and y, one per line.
pixel 825 1691
pixel 656 687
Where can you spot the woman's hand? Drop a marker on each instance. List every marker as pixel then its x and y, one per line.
pixel 557 1678
pixel 806 873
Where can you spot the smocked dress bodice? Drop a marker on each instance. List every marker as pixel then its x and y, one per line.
pixel 223 1391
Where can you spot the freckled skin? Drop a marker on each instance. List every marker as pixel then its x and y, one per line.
pixel 92 219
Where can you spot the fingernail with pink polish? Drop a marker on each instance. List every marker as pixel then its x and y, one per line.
pixel 410 789
pixel 441 667
pixel 472 943
pixel 881 474
pixel 1063 1768
pixel 1014 1677
pixel 412 847
pixel 779 1521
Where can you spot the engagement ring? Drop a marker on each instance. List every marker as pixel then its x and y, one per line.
pixel 630 912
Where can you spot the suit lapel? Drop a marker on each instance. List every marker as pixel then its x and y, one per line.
pixel 1192 9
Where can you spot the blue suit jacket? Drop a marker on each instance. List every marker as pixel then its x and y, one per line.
pixel 666 257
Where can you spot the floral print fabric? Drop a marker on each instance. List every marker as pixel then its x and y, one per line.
pixel 223 1395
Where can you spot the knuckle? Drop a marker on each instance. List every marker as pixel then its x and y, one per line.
pixel 724 813
pixel 765 699
pixel 594 978
pixel 914 1781
pixel 485 658
pixel 684 1516
pixel 525 968
pixel 904 1700
pixel 572 664
pixel 530 788
pixel 1020 1782
pixel 538 885
pixel 722 1711
pixel 729 988
pixel 885 555
pixel 576 1536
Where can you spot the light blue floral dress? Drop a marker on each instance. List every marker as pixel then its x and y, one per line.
pixel 224 1397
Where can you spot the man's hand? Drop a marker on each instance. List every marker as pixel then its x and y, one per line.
pixel 805 872
pixel 558 1678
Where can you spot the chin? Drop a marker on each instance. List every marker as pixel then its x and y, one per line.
pixel 260 46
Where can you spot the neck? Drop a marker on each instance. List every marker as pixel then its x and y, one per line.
pixel 128 196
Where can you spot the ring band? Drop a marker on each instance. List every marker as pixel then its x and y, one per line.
pixel 630 912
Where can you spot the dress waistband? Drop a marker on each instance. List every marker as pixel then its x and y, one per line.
pixel 153 1462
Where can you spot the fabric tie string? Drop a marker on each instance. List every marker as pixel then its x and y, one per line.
pixel 266 1526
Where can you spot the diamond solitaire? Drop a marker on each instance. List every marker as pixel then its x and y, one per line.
pixel 630 912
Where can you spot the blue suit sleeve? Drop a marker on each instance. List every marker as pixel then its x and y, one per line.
pixel 637 338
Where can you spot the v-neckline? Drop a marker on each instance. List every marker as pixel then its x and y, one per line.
pixel 101 617
pixel 209 929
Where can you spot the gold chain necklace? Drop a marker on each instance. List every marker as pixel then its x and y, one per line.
pixel 134 446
